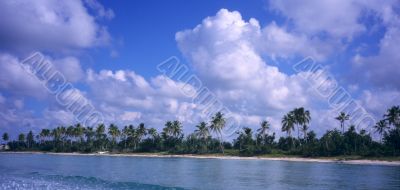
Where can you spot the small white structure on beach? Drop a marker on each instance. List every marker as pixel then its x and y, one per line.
pixel 4 147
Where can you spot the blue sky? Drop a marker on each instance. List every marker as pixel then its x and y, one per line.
pixel 243 52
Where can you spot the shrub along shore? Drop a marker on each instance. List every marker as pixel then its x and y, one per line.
pixel 345 142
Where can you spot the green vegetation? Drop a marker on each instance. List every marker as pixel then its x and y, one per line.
pixel 343 144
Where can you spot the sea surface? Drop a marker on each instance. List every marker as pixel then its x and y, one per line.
pixel 41 171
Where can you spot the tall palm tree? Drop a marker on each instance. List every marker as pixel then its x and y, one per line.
pixel 133 136
pixel 100 136
pixel 304 129
pixel 5 137
pixel 56 136
pixel 263 130
pixel 168 128
pixel 301 118
pixel 381 128
pixel 44 134
pixel 141 132
pixel 21 138
pixel 30 139
pixel 342 117
pixel 125 134
pixel 89 134
pixel 70 133
pixel 217 125
pixel 202 130
pixel 153 133
pixel 114 132
pixel 79 132
pixel 393 116
pixel 176 129
pixel 288 124
pixel 63 135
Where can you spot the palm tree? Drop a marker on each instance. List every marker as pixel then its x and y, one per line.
pixel 380 128
pixel 153 133
pixel 70 133
pixel 301 118
pixel 100 136
pixel 5 137
pixel 176 129
pixel 263 131
pixel 264 128
pixel 342 117
pixel 21 137
pixel 133 136
pixel 141 132
pixel 30 139
pixel 89 134
pixel 202 130
pixel 167 130
pixel 125 134
pixel 217 125
pixel 44 134
pixel 288 124
pixel 304 129
pixel 393 116
pixel 62 131
pixel 114 132
pixel 79 132
pixel 55 133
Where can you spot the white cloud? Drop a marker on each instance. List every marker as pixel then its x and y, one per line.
pixel 338 18
pixel 130 116
pixel 100 9
pixel 48 25
pixel 226 52
pixel 382 69
pixel 222 51
pixel 19 104
pixel 154 101
pixel 15 80
pixel 279 42
pixel 2 99
pixel 376 102
pixel 58 117
pixel 70 67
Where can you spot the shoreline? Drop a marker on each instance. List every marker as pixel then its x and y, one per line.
pixel 157 155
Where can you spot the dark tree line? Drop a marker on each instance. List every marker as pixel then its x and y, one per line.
pixel 171 139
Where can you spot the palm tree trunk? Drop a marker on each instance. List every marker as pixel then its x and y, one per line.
pixel 221 146
pixel 342 125
pixel 298 132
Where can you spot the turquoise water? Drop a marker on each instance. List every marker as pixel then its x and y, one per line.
pixel 39 171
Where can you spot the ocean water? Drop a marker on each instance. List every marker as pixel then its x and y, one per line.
pixel 40 171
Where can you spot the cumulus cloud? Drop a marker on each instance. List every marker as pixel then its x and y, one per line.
pixel 130 116
pixel 279 42
pixel 16 81
pixel 338 18
pixel 49 25
pixel 125 95
pixel 376 102
pixel 383 69
pixel 57 28
pixel 222 51
pixel 225 51
pixel 70 67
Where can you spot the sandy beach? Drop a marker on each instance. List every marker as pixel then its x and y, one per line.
pixel 291 159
